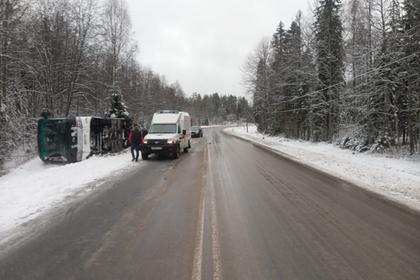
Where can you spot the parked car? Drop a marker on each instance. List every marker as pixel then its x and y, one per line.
pixel 169 133
pixel 196 131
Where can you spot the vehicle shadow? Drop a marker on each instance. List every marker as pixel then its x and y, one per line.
pixel 161 157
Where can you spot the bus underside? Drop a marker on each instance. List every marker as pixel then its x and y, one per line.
pixel 74 139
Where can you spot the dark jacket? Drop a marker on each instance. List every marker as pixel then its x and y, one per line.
pixel 135 137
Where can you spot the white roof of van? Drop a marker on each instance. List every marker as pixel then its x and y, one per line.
pixel 165 117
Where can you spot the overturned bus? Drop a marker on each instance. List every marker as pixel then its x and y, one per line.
pixel 77 138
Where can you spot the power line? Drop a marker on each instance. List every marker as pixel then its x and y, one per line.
pixel 341 83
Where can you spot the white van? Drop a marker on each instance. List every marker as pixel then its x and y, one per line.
pixel 169 133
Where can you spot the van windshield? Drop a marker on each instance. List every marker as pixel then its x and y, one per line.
pixel 163 128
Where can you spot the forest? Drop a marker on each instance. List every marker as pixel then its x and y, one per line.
pixel 78 57
pixel 349 73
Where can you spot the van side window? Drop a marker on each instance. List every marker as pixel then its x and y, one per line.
pixel 179 129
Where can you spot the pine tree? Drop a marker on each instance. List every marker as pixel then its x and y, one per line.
pixel 357 52
pixel 387 99
pixel 261 99
pixel 293 87
pixel 118 109
pixel 330 66
pixel 275 96
pixel 308 85
pixel 411 23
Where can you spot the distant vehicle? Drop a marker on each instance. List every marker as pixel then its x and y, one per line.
pixel 196 132
pixel 77 138
pixel 169 133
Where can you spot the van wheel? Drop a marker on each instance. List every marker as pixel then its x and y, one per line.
pixel 177 152
pixel 144 156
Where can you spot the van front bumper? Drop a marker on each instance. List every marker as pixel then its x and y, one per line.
pixel 158 149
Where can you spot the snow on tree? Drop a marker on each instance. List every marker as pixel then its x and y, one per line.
pixel 366 88
pixel 118 109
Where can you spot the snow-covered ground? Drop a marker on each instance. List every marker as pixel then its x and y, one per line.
pixel 212 125
pixel 396 178
pixel 34 188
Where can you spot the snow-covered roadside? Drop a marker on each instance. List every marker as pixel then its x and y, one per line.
pixel 395 178
pixel 212 125
pixel 34 188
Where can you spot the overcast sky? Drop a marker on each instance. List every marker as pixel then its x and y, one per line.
pixel 204 43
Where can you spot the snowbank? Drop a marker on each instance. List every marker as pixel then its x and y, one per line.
pixel 212 125
pixel 396 178
pixel 35 187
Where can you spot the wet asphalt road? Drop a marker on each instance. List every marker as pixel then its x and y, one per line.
pixel 225 210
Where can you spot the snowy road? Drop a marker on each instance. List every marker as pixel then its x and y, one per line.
pixel 226 210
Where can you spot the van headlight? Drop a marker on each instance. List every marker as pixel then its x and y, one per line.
pixel 144 141
pixel 170 141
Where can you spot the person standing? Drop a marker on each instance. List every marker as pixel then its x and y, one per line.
pixel 135 138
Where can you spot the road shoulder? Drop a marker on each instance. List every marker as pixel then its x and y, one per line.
pixel 377 189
